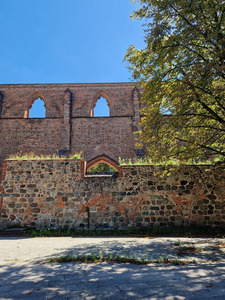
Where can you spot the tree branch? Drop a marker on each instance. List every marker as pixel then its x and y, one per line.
pixel 202 126
pixel 202 146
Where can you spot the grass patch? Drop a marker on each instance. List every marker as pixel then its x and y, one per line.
pixel 32 156
pixel 118 259
pixel 178 243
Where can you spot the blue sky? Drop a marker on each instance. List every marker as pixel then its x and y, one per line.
pixel 66 41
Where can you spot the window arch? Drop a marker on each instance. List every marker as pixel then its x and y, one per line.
pixel 101 105
pixel 36 107
pixel 102 159
pixel 101 108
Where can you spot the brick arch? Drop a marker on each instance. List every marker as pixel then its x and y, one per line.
pixel 97 96
pixel 30 102
pixel 105 159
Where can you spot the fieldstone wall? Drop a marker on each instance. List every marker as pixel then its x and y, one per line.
pixel 58 194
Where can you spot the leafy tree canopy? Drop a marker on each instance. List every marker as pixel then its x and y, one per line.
pixel 182 72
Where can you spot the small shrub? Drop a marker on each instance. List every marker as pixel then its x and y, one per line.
pixel 76 156
pixel 178 243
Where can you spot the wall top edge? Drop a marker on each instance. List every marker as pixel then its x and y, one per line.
pixel 123 166
pixel 42 160
pixel 67 85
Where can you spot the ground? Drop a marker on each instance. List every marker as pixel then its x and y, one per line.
pixel 25 273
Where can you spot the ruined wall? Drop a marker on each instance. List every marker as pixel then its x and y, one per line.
pixel 57 194
pixel 69 124
pixel 112 137
pixel 42 136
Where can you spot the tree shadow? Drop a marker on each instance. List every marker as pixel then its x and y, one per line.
pixel 110 281
pixel 40 249
pixel 36 280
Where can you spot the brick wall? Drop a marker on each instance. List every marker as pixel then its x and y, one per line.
pixel 68 124
pixel 56 194
pixel 111 136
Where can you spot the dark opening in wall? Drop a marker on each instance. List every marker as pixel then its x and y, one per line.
pixel 37 109
pixel 102 168
pixel 101 108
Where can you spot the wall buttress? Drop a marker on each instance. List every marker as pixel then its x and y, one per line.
pixel 66 120
pixel 136 119
pixel 1 103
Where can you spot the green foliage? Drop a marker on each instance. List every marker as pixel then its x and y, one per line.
pixel 182 72
pixel 135 162
pixel 178 243
pixel 102 168
pixel 118 259
pixel 148 232
pixel 76 155
pixel 166 162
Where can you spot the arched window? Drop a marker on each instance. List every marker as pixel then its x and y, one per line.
pixel 36 110
pixel 102 164
pixel 101 108
pixel 101 105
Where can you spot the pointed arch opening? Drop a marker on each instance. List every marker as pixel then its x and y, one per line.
pixel 102 168
pixel 101 105
pixel 36 107
pixel 102 165
pixel 101 108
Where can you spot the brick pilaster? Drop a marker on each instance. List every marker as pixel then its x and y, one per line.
pixel 136 119
pixel 2 177
pixel 66 120
pixel 1 103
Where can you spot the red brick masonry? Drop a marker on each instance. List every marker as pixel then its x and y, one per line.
pixel 69 124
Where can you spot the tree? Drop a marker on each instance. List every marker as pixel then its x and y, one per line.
pixel 182 72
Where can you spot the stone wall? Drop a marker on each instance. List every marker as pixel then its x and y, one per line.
pixel 69 122
pixel 57 194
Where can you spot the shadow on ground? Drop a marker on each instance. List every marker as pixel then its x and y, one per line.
pixel 33 249
pixel 111 281
pixel 36 280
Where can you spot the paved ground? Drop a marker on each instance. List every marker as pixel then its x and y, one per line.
pixel 24 274
pixel 39 249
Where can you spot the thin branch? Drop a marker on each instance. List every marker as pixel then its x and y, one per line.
pixel 207 92
pixel 204 105
pixel 193 26
pixel 200 115
pixel 202 126
pixel 202 146
pixel 221 18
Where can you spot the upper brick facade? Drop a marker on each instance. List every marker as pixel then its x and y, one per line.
pixel 69 122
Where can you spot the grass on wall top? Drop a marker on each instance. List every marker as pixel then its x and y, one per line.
pixel 122 162
pixel 169 162
pixel 32 156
